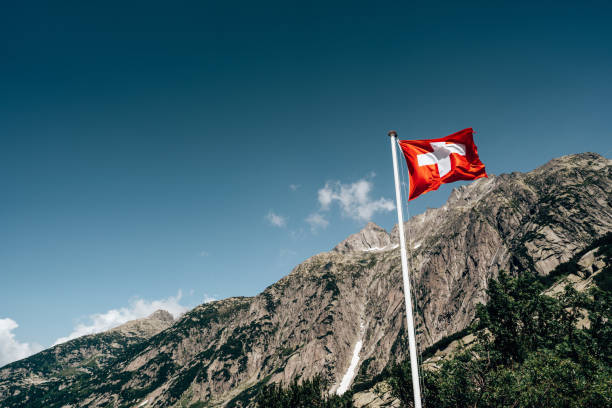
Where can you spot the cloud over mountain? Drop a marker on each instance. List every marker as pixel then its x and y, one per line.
pixel 10 348
pixel 138 308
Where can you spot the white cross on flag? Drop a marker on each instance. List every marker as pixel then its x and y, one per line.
pixel 444 160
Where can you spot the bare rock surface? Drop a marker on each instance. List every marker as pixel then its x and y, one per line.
pixel 371 238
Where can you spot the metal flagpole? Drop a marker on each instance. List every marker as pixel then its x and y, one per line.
pixel 414 365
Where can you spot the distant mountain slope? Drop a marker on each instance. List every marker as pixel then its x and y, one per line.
pixel 310 321
pixel 68 363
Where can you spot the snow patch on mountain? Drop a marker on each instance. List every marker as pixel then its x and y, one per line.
pixel 350 373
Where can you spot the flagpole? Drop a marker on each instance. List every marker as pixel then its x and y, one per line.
pixel 414 365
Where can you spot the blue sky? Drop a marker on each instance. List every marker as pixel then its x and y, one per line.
pixel 147 148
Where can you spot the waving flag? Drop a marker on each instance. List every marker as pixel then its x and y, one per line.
pixel 436 161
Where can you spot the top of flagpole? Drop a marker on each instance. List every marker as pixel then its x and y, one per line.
pixel 392 133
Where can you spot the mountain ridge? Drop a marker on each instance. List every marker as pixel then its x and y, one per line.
pixel 309 321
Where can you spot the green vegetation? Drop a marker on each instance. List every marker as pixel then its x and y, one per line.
pixel 533 353
pixel 271 303
pixel 246 396
pixel 331 285
pixel 309 394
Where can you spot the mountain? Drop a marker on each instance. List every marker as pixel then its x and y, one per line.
pixel 345 303
pixel 65 364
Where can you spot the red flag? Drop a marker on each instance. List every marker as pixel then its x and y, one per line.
pixel 444 160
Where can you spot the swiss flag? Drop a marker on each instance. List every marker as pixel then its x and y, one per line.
pixel 444 160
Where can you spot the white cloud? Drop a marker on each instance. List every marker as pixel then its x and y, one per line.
pixel 317 222
pixel 208 298
pixel 138 308
pixel 13 350
pixel 10 348
pixel 276 220
pixel 204 253
pixel 294 187
pixel 354 199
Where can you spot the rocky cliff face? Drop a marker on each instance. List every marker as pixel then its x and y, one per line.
pixel 513 222
pixel 311 321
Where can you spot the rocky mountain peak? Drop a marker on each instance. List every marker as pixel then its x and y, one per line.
pixel 579 160
pixel 162 316
pixel 147 326
pixel 371 238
